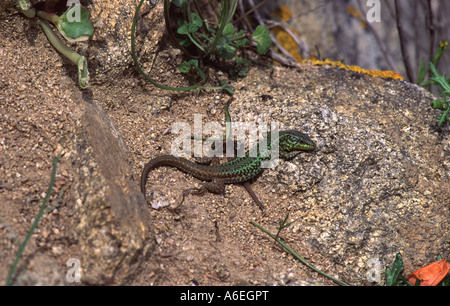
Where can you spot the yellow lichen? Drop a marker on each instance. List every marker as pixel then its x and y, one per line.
pixel 288 43
pixel 376 73
pixel 283 12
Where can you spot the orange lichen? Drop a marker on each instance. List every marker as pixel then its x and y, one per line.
pixel 283 37
pixel 376 73
pixel 283 12
pixel 353 11
pixel 288 43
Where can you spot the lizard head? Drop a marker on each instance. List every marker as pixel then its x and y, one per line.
pixel 293 142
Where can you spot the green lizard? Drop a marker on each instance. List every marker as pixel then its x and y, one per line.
pixel 238 170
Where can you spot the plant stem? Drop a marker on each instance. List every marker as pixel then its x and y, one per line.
pixel 80 61
pixel 27 8
pixel 297 256
pixel 223 22
pixel 188 16
pixel 53 18
pixel 35 223
pixel 58 44
pixel 168 28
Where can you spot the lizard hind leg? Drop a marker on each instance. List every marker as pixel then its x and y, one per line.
pixel 215 186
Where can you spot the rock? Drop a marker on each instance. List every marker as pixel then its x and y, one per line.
pixel 379 182
pixel 109 50
pixel 112 224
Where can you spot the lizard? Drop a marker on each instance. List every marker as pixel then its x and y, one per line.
pixel 238 170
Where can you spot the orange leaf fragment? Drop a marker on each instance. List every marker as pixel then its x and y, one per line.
pixel 430 275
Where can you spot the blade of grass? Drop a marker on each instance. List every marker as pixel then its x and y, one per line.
pixel 38 218
pixel 297 256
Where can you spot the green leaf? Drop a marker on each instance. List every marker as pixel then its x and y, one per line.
pixel 196 20
pixel 229 30
pixel 444 117
pixel 241 42
pixel 241 67
pixel 187 28
pixel 440 79
pixel 186 67
pixel 438 104
pixel 397 268
pixel 262 38
pixel 224 49
pixel 242 61
pixel 183 29
pixel 75 24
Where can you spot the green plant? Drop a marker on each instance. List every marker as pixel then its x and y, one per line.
pixel 443 106
pixel 27 9
pixel 424 71
pixel 80 61
pixel 38 218
pixel 205 43
pixel 283 225
pixel 394 276
pixel 433 274
pixel 74 25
